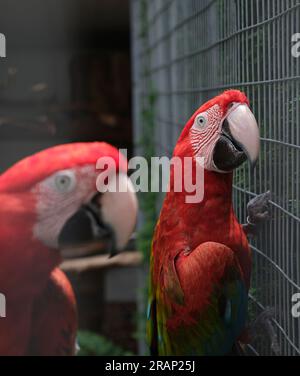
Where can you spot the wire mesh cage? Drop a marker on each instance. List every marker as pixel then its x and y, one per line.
pixel 184 53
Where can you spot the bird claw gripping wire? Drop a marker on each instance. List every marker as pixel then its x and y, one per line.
pixel 263 326
pixel 258 210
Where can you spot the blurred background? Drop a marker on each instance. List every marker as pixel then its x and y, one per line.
pixel 66 78
pixel 131 73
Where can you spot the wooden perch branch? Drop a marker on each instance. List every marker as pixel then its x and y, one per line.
pixel 80 265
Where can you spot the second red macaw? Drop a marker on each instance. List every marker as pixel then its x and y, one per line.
pixel 50 201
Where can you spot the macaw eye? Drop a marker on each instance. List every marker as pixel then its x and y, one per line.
pixel 201 122
pixel 65 181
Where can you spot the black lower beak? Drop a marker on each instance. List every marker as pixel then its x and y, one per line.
pixel 86 227
pixel 228 154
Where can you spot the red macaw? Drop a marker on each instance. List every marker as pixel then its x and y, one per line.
pixel 200 259
pixel 50 201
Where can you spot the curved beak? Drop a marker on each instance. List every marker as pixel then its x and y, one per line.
pixel 239 139
pixel 105 224
pixel 244 130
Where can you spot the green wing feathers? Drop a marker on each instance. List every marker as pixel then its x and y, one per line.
pixel 212 314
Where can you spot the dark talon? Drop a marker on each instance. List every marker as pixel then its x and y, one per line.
pixel 262 326
pixel 258 212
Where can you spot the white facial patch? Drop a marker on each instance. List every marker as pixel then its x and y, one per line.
pixel 58 199
pixel 205 133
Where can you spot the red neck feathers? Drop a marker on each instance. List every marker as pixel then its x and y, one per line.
pixel 25 262
pixel 208 220
pixel 184 226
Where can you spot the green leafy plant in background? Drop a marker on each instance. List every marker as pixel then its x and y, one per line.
pixel 148 200
pixel 146 145
pixel 148 205
pixel 147 141
pixel 91 344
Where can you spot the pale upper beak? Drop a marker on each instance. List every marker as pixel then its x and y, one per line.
pixel 244 130
pixel 119 209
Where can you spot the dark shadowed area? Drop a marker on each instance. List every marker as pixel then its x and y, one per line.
pixel 66 78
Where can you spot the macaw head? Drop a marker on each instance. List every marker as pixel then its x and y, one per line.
pixel 224 132
pixel 54 194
